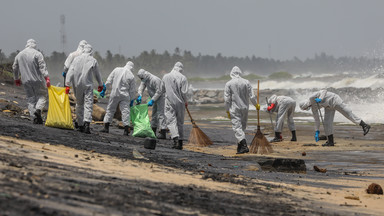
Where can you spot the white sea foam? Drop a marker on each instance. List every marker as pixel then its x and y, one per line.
pixel 372 82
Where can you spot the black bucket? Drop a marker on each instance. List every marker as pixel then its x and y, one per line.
pixel 150 143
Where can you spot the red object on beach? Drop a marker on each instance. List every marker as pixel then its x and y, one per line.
pixel 48 81
pixel 67 90
pixel 271 107
pixel 18 82
pixel 100 88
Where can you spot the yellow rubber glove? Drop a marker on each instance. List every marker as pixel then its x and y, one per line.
pixel 257 106
pixel 229 115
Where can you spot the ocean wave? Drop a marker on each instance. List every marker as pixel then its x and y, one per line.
pixel 339 81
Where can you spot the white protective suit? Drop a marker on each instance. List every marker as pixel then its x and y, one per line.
pixel 30 67
pixel 237 93
pixel 330 102
pixel 284 106
pixel 123 91
pixel 80 75
pixel 156 90
pixel 73 55
pixel 176 86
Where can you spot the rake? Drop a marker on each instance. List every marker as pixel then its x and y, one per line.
pixel 259 143
pixel 197 136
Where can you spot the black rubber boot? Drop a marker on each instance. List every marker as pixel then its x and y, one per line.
pixel 162 134
pixel 243 147
pixel 277 137
pixel 365 127
pixel 293 136
pixel 329 141
pixel 87 128
pixel 175 142
pixel 127 130
pixel 154 129
pixel 38 119
pixel 106 128
pixel 238 147
pixel 81 129
pixel 180 145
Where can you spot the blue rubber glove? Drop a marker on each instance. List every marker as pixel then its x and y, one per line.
pixel 138 100
pixel 64 74
pixel 318 100
pixel 102 93
pixel 317 136
pixel 131 104
pixel 104 87
pixel 150 103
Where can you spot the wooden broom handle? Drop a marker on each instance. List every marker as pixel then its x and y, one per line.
pixel 189 114
pixel 258 116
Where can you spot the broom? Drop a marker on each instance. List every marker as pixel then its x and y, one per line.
pixel 259 143
pixel 197 136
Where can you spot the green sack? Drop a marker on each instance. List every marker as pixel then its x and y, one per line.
pixel 95 92
pixel 140 121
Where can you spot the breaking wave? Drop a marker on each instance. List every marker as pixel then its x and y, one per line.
pixel 373 82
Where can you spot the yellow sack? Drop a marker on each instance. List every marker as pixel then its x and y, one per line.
pixel 59 110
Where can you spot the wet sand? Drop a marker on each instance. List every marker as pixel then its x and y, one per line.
pixel 47 171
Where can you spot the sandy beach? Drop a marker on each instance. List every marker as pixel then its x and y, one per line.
pixel 49 171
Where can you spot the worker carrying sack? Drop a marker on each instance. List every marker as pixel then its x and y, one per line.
pixel 59 110
pixel 140 121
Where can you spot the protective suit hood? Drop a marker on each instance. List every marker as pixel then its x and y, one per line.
pixel 31 43
pixel 88 49
pixel 143 74
pixel 305 105
pixel 272 98
pixel 235 72
pixel 129 65
pixel 178 67
pixel 82 45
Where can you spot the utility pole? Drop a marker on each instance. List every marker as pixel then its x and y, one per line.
pixel 63 36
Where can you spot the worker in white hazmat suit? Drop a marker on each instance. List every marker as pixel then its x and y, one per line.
pixel 331 102
pixel 237 93
pixel 72 56
pixel 176 86
pixel 29 69
pixel 80 75
pixel 156 90
pixel 284 106
pixel 123 94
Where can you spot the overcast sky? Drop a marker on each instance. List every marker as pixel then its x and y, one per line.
pixel 279 29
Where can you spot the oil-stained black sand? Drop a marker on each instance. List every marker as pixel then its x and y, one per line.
pixel 43 187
